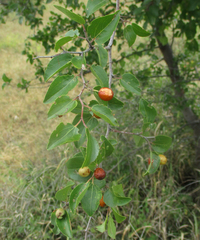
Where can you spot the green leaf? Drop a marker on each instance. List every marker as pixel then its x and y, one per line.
pixel 77 194
pixel 130 83
pixel 94 5
pixel 105 113
pixel 140 31
pixel 108 31
pixel 61 42
pixel 112 200
pixel 103 55
pixel 100 183
pixel 73 165
pixel 64 225
pixel 102 228
pixel 100 74
pixel 154 163
pixel 161 144
pixel 91 123
pixel 111 228
pixel 72 33
pixel 57 64
pixel 119 218
pixel 92 149
pixel 148 112
pixel 59 87
pixel 6 79
pixel 71 15
pixel 63 134
pixel 90 201
pixel 78 61
pixel 130 35
pixel 139 140
pixel 53 218
pixel 99 24
pixel 56 230
pixel 62 106
pixel 61 195
pixel 115 104
pixel 107 147
pixel 118 190
pixel 78 109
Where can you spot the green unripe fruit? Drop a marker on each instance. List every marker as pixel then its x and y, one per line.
pixel 60 212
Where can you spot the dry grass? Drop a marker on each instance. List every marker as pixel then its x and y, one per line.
pixel 23 120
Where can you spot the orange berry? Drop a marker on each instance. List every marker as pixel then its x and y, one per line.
pixel 106 94
pixel 101 202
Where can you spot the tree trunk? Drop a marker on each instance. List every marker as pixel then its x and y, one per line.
pixel 191 118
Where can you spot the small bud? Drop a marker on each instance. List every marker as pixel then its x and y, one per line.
pixel 60 212
pixel 83 67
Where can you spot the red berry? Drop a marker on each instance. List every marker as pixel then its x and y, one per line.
pixel 149 160
pixel 106 94
pixel 95 116
pixel 101 202
pixel 99 173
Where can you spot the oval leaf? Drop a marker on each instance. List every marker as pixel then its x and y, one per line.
pixel 78 61
pixel 59 87
pixel 105 113
pixel 112 200
pixel 61 195
pixel 57 64
pixel 111 228
pixel 62 106
pixel 91 123
pixel 154 163
pixel 148 112
pixel 100 74
pixel 64 225
pixel 130 83
pixel 119 218
pixel 102 228
pixel 140 31
pixel 56 230
pixel 61 42
pixel 94 5
pixel 103 55
pixel 90 201
pixel 99 24
pixel 106 146
pixel 63 134
pixel 71 15
pixel 73 165
pixel 77 194
pixel 161 144
pixel 115 104
pixel 130 35
pixel 92 149
pixel 108 31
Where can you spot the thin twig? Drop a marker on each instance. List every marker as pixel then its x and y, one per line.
pixel 86 37
pixel 64 52
pixel 86 230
